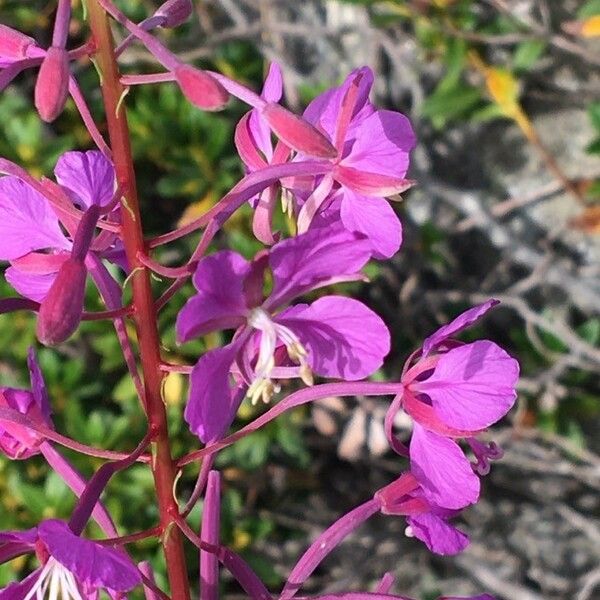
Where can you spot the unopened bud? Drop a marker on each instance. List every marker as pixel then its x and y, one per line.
pixel 175 12
pixel 13 43
pixel 297 133
pixel 61 309
pixel 52 86
pixel 200 88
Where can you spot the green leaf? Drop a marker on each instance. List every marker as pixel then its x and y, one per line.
pixel 527 54
pixel 594 112
pixel 443 106
pixel 589 9
pixel 590 331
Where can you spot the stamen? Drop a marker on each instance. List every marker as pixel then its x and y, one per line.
pixel 55 580
pixel 262 386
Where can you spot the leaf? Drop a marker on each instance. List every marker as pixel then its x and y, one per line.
pixel 527 54
pixel 589 9
pixel 443 106
pixel 594 113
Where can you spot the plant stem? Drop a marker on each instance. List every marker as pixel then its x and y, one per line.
pixel 143 302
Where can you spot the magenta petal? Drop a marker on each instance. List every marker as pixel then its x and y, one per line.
pixel 442 469
pixel 371 183
pixel 343 337
pixel 272 91
pixel 92 564
pixel 246 144
pixel 212 402
pixel 324 109
pixel 30 285
pixel 296 132
pixel 382 145
pixel 374 218
pixel 89 177
pixel 27 221
pixel 473 386
pixel 314 259
pixel 437 534
pixel 464 320
pixel 220 302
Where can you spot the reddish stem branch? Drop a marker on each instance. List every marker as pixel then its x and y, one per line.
pixel 145 313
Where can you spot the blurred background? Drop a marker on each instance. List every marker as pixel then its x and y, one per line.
pixel 505 98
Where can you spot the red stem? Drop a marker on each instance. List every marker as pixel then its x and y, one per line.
pixel 145 314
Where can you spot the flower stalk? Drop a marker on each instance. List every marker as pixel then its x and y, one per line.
pixel 143 302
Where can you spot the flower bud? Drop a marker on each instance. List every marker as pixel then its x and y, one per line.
pixel 200 88
pixel 52 86
pixel 297 133
pixel 61 309
pixel 175 12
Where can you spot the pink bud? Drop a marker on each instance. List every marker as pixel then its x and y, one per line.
pixel 200 88
pixel 13 43
pixel 61 309
pixel 52 86
pixel 175 12
pixel 297 133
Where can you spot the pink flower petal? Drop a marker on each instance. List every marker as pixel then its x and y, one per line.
pixel 27 221
pixel 314 259
pixel 89 177
pixel 374 218
pixel 212 403
pixel 382 144
pixel 437 534
pixel 30 285
pixel 92 564
pixel 473 386
pixel 371 183
pixel 297 133
pixel 464 320
pixel 343 337
pixel 220 302
pixel 442 469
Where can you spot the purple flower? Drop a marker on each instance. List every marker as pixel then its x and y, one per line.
pixel 16 441
pixel 426 520
pixel 372 159
pixel 31 237
pixel 332 337
pixel 454 390
pixel 71 567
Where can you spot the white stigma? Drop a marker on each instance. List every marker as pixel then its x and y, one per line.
pixel 262 386
pixel 54 583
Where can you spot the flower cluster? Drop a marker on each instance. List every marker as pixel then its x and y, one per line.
pixel 332 171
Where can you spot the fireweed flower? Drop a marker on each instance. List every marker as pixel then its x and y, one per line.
pixel 44 261
pixel 72 568
pixel 453 390
pixel 332 337
pixel 372 159
pixel 16 441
